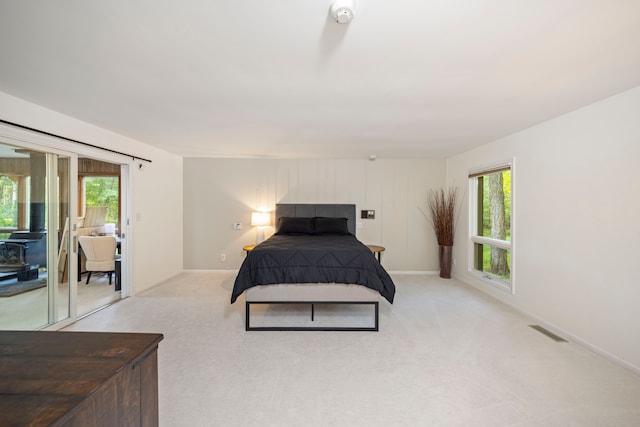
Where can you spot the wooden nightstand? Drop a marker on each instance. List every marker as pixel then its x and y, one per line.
pixel 376 250
pixel 248 248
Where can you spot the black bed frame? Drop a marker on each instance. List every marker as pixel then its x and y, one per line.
pixel 248 326
pixel 309 211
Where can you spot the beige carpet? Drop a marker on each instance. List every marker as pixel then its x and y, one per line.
pixel 446 355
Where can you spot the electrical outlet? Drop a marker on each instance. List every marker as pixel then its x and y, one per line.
pixel 358 225
pixel 223 257
pixel 237 225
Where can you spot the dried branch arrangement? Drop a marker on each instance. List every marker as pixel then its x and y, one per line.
pixel 442 205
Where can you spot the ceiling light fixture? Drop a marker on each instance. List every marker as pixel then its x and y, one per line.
pixel 342 10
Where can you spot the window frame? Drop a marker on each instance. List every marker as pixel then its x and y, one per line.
pixel 474 238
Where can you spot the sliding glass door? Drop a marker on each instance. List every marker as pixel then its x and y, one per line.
pixel 36 262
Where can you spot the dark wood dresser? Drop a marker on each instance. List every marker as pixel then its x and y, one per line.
pixel 78 379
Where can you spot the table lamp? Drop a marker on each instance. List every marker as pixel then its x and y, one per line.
pixel 259 220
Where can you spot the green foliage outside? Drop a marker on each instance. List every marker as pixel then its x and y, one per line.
pixel 8 202
pixel 486 205
pixel 103 191
pixel 485 250
pixel 99 191
pixel 486 262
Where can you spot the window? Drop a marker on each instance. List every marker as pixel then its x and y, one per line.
pixel 103 191
pixel 8 202
pixel 490 205
pixel 14 210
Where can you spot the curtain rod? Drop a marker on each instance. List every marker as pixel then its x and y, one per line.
pixel 73 140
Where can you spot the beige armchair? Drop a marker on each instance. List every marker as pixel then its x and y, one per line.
pixel 100 253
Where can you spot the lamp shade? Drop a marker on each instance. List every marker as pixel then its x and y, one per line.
pixel 259 219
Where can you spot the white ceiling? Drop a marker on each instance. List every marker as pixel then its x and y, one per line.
pixel 406 78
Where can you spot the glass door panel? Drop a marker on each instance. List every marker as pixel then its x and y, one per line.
pixel 60 256
pixel 34 207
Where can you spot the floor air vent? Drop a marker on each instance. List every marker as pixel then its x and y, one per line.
pixel 548 333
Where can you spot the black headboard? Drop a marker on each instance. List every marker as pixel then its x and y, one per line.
pixel 310 210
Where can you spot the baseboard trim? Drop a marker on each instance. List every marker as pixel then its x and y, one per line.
pixel 573 338
pixel 561 332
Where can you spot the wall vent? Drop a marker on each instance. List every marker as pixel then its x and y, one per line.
pixel 548 333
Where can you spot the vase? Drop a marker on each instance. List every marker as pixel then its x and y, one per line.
pixel 445 254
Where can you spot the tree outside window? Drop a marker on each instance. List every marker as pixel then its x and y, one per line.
pixel 8 203
pixel 104 191
pixel 491 192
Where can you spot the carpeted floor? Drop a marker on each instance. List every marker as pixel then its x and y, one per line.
pixel 446 355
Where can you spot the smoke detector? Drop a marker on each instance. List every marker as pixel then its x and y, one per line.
pixel 342 10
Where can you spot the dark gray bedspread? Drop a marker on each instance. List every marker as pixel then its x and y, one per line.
pixel 313 259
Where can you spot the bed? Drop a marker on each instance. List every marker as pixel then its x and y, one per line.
pixel 313 258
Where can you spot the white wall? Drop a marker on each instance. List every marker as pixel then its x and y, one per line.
pixel 218 192
pixel 576 223
pixel 156 238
